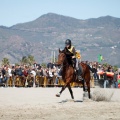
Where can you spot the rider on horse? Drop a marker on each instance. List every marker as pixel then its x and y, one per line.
pixel 71 56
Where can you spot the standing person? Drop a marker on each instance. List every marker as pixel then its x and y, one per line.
pixel 94 70
pixel 50 65
pixel 71 56
pixel 4 75
pixel 33 74
pixel 106 81
pixel 115 81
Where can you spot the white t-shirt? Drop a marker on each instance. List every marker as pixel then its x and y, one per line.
pixel 9 72
pixel 50 73
pixel 33 72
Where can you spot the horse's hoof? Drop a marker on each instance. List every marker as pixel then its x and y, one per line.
pixel 57 95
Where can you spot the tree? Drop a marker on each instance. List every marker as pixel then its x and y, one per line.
pixel 5 61
pixel 27 60
pixel 115 68
pixel 43 65
pixel 24 60
pixel 31 59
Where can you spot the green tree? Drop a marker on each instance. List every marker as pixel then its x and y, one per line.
pixel 31 59
pixel 43 65
pixel 27 60
pixel 16 64
pixel 5 61
pixel 115 68
pixel 105 64
pixel 24 60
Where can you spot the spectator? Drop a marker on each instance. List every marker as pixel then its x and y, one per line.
pixel 40 78
pixel 94 70
pixel 106 82
pixel 115 82
pixel 33 72
pixel 18 70
pixel 50 65
pixel 0 78
pixel 25 71
pixel 45 72
pixel 50 76
pixel 13 70
pixel 3 71
pixel 33 75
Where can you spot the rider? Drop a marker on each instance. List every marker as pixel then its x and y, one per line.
pixel 71 55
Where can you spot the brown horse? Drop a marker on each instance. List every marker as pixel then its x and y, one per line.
pixel 69 75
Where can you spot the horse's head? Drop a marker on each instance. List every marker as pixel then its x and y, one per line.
pixel 61 57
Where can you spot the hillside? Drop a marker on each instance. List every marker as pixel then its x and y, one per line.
pixel 48 32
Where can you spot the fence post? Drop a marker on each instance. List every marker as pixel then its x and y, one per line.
pixel 34 81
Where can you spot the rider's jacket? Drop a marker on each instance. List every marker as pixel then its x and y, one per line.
pixel 72 51
pixel 75 53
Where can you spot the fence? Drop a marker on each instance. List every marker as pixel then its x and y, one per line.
pixel 39 81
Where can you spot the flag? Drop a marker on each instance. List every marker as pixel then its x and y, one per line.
pixel 100 58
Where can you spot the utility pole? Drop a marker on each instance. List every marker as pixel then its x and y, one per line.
pixel 51 56
pixel 54 56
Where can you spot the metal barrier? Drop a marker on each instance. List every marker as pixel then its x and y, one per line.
pixel 40 81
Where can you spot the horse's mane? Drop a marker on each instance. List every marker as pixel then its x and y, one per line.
pixel 63 51
pixel 67 56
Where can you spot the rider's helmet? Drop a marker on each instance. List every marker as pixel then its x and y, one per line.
pixel 68 42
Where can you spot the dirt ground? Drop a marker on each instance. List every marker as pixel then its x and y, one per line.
pixel 42 104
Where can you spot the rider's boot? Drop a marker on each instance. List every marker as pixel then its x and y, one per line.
pixel 60 72
pixel 79 75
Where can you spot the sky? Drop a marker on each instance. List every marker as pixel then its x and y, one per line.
pixel 19 11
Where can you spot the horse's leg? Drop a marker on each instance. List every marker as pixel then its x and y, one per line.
pixel 88 88
pixel 83 83
pixel 70 90
pixel 63 88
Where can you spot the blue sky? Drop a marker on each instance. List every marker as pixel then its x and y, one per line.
pixel 20 11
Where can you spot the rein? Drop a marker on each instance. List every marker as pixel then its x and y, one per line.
pixel 64 61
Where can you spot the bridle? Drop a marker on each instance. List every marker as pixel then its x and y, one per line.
pixel 62 65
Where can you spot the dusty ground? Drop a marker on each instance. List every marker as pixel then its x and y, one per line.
pixel 41 104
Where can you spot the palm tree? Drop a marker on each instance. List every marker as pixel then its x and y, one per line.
pixel 27 60
pixel 31 59
pixel 24 60
pixel 43 65
pixel 5 61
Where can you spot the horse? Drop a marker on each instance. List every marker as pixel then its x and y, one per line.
pixel 69 75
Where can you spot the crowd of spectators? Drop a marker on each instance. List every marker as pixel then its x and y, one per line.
pixel 108 73
pixel 32 74
pixel 35 75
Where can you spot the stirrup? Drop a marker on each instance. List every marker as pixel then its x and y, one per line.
pixel 80 78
